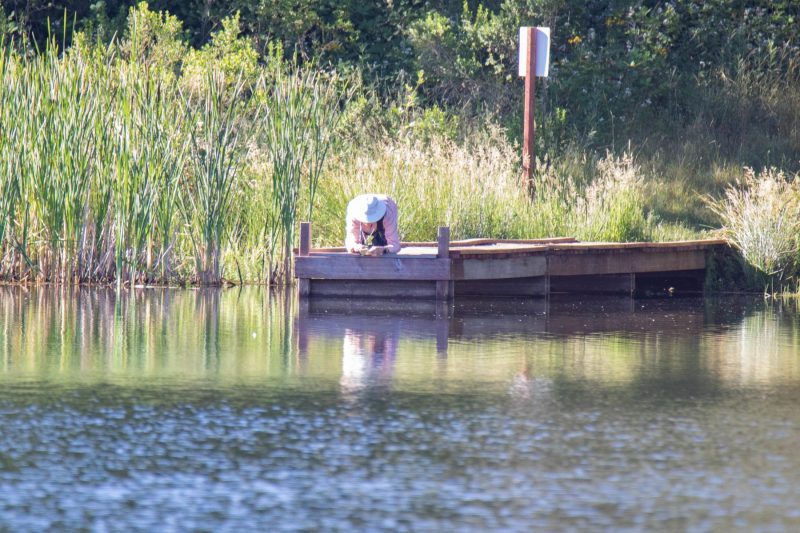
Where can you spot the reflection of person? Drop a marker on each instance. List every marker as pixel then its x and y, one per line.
pixel 367 357
pixel 372 225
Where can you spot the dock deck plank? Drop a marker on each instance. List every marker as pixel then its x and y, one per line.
pixel 353 267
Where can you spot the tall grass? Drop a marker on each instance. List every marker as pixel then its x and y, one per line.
pixel 11 129
pixel 112 171
pixel 611 208
pixel 61 156
pixel 761 218
pixel 146 163
pixel 301 110
pixel 91 150
pixel 474 187
pixel 470 186
pixel 216 153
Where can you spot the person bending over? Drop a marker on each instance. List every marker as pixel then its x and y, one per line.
pixel 372 225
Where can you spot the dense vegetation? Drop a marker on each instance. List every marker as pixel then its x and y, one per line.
pixel 183 141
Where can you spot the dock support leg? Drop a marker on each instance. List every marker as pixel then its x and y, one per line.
pixel 304 284
pixel 304 287
pixel 444 288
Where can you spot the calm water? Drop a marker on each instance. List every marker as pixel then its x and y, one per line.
pixel 174 410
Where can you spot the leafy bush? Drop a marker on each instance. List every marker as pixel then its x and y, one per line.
pixel 154 40
pixel 228 54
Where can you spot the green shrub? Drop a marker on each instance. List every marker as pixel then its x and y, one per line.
pixel 154 41
pixel 228 54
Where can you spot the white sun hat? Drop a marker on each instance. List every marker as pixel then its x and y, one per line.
pixel 366 208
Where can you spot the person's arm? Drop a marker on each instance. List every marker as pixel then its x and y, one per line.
pixel 352 236
pixel 390 227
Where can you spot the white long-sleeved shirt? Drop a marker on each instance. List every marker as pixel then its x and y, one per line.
pixel 353 228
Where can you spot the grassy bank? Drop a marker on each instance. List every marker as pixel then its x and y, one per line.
pixel 146 161
pixel 114 169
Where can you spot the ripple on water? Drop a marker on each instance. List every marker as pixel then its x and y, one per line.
pixel 590 416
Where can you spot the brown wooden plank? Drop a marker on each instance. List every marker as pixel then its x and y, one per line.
pixel 373 289
pixel 602 284
pixel 482 241
pixel 546 240
pixel 443 290
pixel 327 249
pixel 686 245
pixel 464 243
pixel 385 268
pixel 419 252
pixel 493 268
pixel 625 261
pixel 530 286
pixel 502 250
pixel 506 249
pixel 444 287
pixel 574 244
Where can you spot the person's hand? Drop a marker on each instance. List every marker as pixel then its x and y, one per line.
pixel 374 251
pixel 358 249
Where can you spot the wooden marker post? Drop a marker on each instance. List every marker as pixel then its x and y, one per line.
pixel 534 60
pixel 529 125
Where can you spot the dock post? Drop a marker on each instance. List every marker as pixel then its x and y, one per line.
pixel 304 284
pixel 444 288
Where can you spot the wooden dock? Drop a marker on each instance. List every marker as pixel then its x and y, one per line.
pixel 443 269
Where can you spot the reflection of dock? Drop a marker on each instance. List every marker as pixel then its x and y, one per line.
pixel 470 320
pixel 485 267
pixel 333 317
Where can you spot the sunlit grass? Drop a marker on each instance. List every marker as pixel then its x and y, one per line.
pixel 761 218
pixel 475 188
pixel 112 171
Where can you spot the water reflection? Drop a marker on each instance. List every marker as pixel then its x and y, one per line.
pixel 159 333
pixel 368 357
pixel 600 341
pixel 252 334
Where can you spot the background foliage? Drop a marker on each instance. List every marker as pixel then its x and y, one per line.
pixel 617 65
pixel 655 106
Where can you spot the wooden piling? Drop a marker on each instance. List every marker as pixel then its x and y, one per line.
pixel 304 284
pixel 305 238
pixel 444 288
